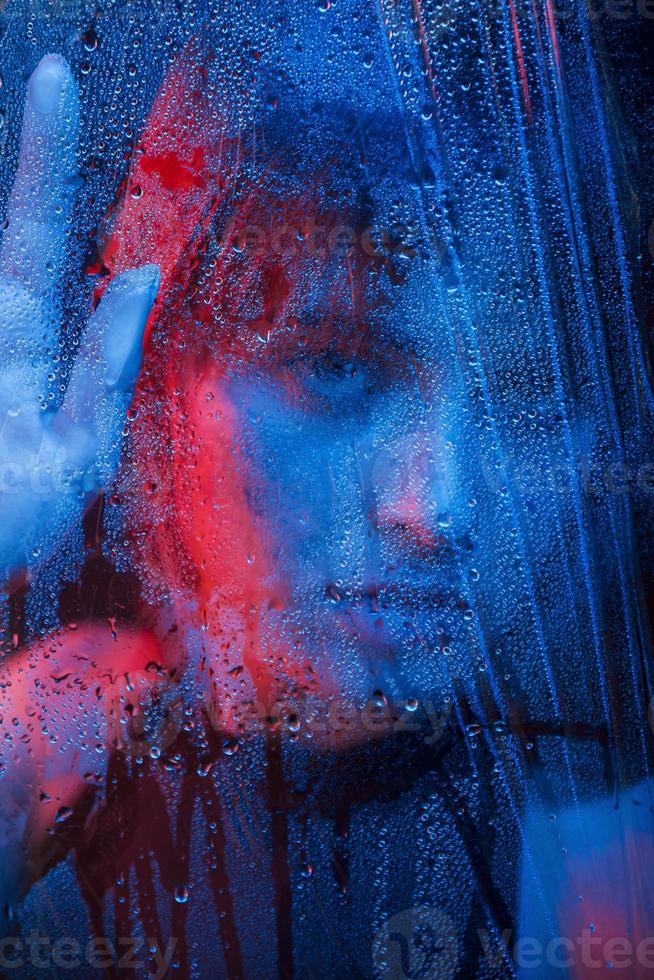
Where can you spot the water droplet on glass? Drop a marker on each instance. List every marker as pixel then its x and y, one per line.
pixel 181 894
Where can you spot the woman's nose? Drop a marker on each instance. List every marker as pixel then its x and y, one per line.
pixel 404 484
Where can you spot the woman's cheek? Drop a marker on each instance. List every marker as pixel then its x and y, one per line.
pixel 241 592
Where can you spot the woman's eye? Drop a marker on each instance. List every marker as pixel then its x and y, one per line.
pixel 332 368
pixel 337 379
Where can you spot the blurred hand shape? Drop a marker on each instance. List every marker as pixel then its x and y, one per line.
pixel 49 458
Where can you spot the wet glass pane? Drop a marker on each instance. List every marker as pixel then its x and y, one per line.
pixel 326 489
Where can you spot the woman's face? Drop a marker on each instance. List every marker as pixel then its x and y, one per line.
pixel 296 435
pixel 315 482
